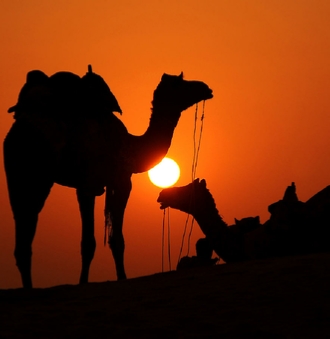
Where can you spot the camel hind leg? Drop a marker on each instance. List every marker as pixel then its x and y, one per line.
pixel 28 169
pixel 88 244
pixel 119 197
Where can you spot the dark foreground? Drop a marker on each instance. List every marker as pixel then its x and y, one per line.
pixel 275 298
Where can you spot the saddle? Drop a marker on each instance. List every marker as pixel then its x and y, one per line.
pixel 65 95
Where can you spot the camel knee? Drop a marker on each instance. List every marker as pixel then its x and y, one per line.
pixel 22 254
pixel 117 243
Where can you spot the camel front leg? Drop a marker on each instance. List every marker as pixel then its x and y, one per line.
pixel 28 161
pixel 26 205
pixel 88 243
pixel 119 197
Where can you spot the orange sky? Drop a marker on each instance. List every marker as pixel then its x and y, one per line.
pixel 267 125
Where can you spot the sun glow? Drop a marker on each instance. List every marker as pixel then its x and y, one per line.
pixel 165 174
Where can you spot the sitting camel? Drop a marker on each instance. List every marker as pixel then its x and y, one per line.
pixel 65 132
pixel 293 228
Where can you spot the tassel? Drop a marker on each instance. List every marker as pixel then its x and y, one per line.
pixel 107 216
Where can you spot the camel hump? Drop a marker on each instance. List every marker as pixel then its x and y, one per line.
pixel 97 92
pixel 88 96
pixel 320 199
pixel 65 82
pixel 65 89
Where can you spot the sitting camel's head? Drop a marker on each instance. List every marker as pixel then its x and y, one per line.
pixel 189 199
pixel 175 93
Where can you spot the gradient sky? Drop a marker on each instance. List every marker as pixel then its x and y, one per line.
pixel 267 125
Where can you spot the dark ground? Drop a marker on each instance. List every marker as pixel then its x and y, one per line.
pixel 274 298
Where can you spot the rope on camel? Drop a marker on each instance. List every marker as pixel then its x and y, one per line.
pixel 193 174
pixel 168 239
pixel 196 149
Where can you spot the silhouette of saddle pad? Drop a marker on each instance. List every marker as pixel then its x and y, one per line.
pixel 66 92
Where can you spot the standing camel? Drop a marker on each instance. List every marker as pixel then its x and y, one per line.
pixel 56 139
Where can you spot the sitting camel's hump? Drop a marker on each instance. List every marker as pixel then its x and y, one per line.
pixel 320 199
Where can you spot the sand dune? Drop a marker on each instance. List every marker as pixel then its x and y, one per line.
pixel 275 298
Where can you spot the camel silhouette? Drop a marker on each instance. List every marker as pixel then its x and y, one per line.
pixel 294 227
pixel 65 132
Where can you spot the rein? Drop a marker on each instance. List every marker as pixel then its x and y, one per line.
pixel 168 239
pixel 196 146
pixel 195 162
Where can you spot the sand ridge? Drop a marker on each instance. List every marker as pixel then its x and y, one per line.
pixel 285 297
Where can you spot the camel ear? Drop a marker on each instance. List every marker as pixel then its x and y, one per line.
pixel 203 182
pixel 181 75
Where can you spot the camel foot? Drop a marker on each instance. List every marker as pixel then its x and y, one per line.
pixel 121 277
pixel 83 280
pixel 27 283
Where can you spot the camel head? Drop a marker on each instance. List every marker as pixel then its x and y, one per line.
pixel 190 199
pixel 176 94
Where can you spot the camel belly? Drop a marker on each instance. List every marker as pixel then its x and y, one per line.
pixel 85 151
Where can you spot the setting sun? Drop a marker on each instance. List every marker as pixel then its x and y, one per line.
pixel 165 174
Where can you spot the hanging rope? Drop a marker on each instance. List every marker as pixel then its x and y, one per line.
pixel 108 215
pixel 183 236
pixel 195 161
pixel 196 146
pixel 196 151
pixel 168 239
pixel 163 239
pixel 189 235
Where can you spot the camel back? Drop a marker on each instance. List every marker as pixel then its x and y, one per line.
pixel 66 96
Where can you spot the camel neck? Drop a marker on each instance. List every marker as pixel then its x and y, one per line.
pixel 149 149
pixel 164 117
pixel 210 220
pixel 224 242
